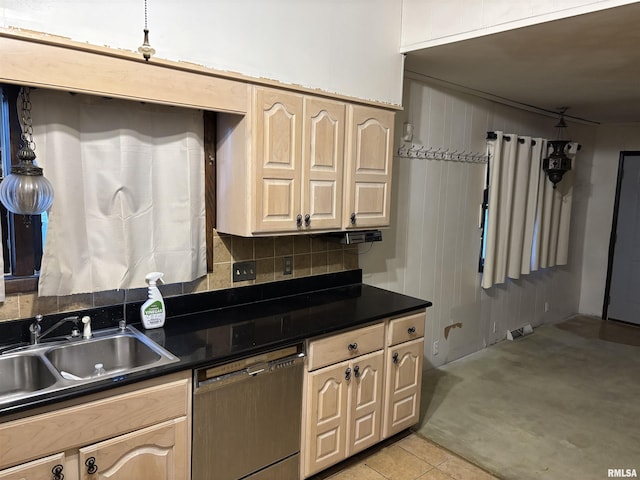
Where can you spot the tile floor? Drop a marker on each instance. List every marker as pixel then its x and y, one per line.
pixel 405 457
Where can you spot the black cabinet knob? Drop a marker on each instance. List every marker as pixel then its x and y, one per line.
pixel 347 374
pixel 90 463
pixel 57 472
pixel 307 220
pixel 352 347
pixel 299 220
pixel 395 358
pixel 356 371
pixel 353 219
pixel 411 330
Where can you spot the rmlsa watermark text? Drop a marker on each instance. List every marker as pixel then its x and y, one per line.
pixel 622 473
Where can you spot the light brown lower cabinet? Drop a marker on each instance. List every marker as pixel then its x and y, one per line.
pixel 360 389
pixel 403 382
pixel 138 433
pixel 345 410
pixel 48 468
pixel 156 452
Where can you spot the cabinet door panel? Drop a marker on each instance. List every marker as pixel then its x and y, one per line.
pixel 278 153
pixel 366 402
pixel 369 163
pixel 41 469
pixel 325 438
pixel 323 161
pixel 279 197
pixel 157 452
pixel 403 382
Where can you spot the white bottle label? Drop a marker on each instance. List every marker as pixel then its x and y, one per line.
pixel 153 314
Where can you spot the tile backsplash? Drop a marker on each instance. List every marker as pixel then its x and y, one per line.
pixel 311 256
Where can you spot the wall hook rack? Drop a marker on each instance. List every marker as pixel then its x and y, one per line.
pixel 414 150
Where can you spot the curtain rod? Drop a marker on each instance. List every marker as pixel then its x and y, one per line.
pixel 494 136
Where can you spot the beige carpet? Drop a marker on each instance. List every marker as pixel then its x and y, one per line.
pixel 561 403
pixel 609 330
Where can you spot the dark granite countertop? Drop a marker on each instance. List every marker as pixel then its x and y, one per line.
pixel 215 327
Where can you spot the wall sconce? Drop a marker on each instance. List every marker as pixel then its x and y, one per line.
pixel 26 191
pixel 557 163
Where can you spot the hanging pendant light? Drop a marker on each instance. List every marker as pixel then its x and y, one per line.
pixel 26 191
pixel 557 163
pixel 145 49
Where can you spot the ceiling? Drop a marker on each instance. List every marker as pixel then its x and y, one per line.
pixel 590 63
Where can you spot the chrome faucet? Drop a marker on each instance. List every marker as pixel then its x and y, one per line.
pixel 35 329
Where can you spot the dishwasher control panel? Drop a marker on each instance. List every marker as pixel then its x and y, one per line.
pixel 249 366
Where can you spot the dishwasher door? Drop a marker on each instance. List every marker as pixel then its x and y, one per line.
pixel 247 417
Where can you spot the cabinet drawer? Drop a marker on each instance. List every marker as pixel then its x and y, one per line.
pixel 343 346
pixel 406 328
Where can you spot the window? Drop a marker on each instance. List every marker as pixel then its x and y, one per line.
pixel 22 236
pixel 483 223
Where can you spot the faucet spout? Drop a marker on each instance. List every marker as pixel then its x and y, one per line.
pixel 35 329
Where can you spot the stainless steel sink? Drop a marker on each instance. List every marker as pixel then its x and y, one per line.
pixel 22 375
pixel 49 367
pixel 117 354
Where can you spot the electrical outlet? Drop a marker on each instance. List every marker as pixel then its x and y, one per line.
pixel 546 307
pixel 244 271
pixel 494 327
pixel 287 265
pixel 436 347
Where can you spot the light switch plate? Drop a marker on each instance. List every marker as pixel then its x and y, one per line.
pixel 287 265
pixel 244 271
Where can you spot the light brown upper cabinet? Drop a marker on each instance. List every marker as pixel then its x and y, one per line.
pixel 368 167
pixel 299 144
pixel 281 168
pixel 278 159
pixel 323 163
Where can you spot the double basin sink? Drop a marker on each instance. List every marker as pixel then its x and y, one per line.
pixel 31 371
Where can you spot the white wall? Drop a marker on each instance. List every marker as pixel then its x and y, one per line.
pixel 431 250
pixel 611 140
pixel 427 23
pixel 351 48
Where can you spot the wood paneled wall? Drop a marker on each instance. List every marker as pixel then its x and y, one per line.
pixel 432 248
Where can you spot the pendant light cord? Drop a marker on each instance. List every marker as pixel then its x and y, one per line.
pixel 27 124
pixel 145 49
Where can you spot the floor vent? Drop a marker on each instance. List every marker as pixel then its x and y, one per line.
pixel 519 332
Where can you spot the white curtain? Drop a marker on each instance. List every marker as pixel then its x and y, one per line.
pixel 129 192
pixel 553 217
pixel 528 221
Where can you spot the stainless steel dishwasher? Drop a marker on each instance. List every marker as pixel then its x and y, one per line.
pixel 246 418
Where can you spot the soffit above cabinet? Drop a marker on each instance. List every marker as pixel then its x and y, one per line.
pixel 26 59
